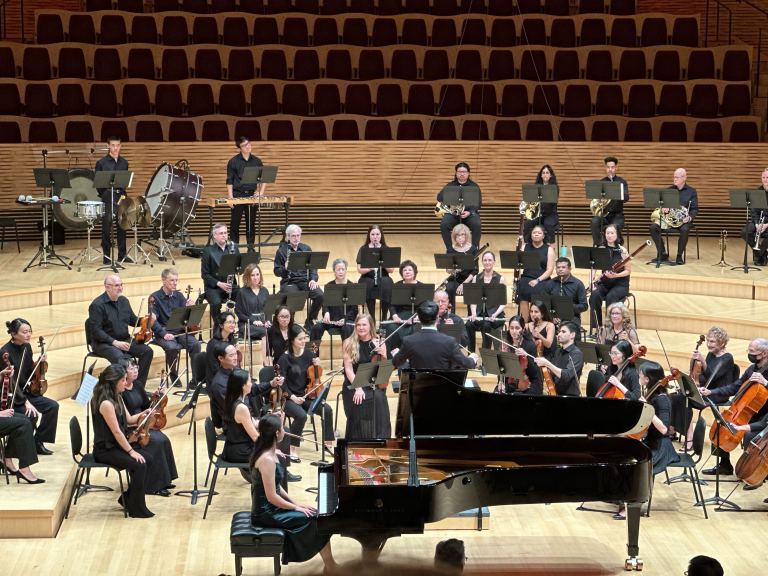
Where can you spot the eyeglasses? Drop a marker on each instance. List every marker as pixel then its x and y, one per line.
pixel 115 285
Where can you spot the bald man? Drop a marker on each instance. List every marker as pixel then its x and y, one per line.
pixel 110 324
pixel 688 199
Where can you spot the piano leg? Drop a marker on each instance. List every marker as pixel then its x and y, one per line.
pixel 633 537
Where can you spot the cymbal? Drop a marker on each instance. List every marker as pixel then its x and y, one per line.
pixel 145 218
pixel 129 211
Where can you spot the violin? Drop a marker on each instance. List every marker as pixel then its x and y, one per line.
pixel 696 366
pixel 6 384
pixel 39 385
pixel 663 383
pixel 749 400
pixel 549 382
pixel 525 383
pixel 158 402
pixel 277 398
pixel 379 357
pixel 144 332
pixel 608 390
pixel 752 466
pixel 191 327
pixel 314 374
pixel 153 419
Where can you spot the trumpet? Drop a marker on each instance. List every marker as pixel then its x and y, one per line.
pixel 531 211
pixel 757 231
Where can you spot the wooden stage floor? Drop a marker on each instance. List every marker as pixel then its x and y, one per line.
pixel 674 305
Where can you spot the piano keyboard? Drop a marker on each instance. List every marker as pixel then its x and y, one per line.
pixel 327 498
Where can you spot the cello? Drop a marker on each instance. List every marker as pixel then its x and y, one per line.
pixel 608 390
pixel 749 400
pixel 664 382
pixel 752 466
pixel 696 366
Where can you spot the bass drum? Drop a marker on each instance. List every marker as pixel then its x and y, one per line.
pixel 173 193
pixel 82 190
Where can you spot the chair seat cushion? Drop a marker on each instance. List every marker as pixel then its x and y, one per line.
pixel 248 540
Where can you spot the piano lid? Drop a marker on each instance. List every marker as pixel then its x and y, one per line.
pixel 442 407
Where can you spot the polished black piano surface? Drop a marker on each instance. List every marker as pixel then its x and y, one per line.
pixel 471 448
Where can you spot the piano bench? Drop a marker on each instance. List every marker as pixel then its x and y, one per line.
pixel 247 541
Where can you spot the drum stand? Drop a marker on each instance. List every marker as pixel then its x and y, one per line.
pixel 162 247
pixel 135 252
pixel 46 254
pixel 87 254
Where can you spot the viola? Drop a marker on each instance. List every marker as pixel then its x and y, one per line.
pixel 144 332
pixel 525 383
pixel 6 384
pixel 696 366
pixel 314 374
pixel 548 380
pixel 277 398
pixel 608 390
pixel 752 466
pixel 749 400
pixel 379 357
pixel 158 402
pixel 39 385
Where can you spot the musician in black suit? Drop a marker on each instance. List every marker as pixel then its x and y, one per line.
pixel 566 284
pixel 112 162
pixel 294 281
pixel 689 200
pixel 567 361
pixel 471 214
pixel 235 189
pixel 756 229
pixel 613 212
pixel 428 348
pixel 217 289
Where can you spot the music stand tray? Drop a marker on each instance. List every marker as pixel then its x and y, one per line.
pixel 294 301
pixel 604 190
pixel 411 294
pixel 559 306
pixel 454 261
pixel 382 257
pixel 452 330
pixel 232 264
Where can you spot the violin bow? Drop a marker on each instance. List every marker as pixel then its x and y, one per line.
pixel 330 376
pixel 18 376
pixel 515 348
pixel 154 409
pixel 34 368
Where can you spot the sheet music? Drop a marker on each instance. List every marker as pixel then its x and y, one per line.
pixel 85 392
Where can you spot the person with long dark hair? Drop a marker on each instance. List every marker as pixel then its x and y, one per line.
pixel 42 412
pixel 375 286
pixel 546 213
pixel 223 332
pixel 615 287
pixel 657 439
pixel 532 279
pixel 518 337
pixel 239 425
pixel 272 507
pixel 627 382
pixel 542 328
pixel 293 367
pixel 110 444
pixel 276 341
pixel 366 408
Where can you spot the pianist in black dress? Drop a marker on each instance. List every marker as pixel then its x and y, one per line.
pixel 272 507
pixel 276 342
pixel 366 408
pixel 662 450
pixel 249 305
pixel 518 337
pixel 161 466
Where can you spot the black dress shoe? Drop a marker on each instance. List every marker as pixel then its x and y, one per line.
pixel 752 487
pixel 294 458
pixel 163 492
pixel 679 260
pixel 170 486
pixel 664 258
pixel 106 261
pixel 722 470
pixel 292 477
pixel 42 450
pixel 20 477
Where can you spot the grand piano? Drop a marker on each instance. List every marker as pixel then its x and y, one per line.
pixel 458 448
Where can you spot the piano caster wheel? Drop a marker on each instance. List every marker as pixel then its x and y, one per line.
pixel 633 563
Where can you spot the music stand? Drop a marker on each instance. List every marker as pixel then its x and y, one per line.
pixel 257 175
pixel 112 179
pixel 604 190
pixel 749 199
pixel 182 318
pixel 661 198
pixel 503 364
pixel 693 399
pixel 373 374
pixel 411 294
pixel 348 294
pixel 452 330
pixel 719 422
pixel 379 259
pixel 518 259
pixel 454 262
pixel 196 492
pixel 319 403
pixel 55 179
pixel 485 297
pixel 306 262
pixel 456 194
pixel 294 301
pixel 560 307
pixel 594 353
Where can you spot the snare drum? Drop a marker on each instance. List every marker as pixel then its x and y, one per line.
pixel 172 197
pixel 90 209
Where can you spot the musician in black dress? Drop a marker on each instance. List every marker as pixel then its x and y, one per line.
pixel 293 367
pixel 545 214
pixel 627 381
pixel 471 213
pixel 18 432
pixel 757 352
pixel 110 444
pixel 236 189
pixel 272 507
pixel 662 452
pixel 613 211
pixel 276 341
pixel 519 341
pixel 112 162
pixel 402 313
pixel 42 412
pixel 239 424
pixel 533 280
pixel 109 317
pixel 375 287
pixel 168 299
pixel 302 280
pixel 366 408
pixel 542 328
pixel 334 320
pixel 218 288
pixel 223 332
pixel 481 318
pixel 567 361
pixel 161 465
pixel 249 305
pixel 445 316
pixel 755 233
pixel 461 243
pixel 615 286
pixel 689 200
pixel 566 284
pixel 617 327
